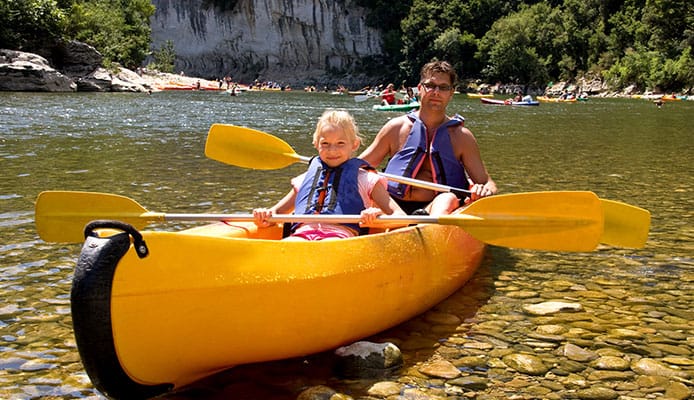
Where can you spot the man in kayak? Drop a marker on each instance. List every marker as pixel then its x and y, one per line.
pixel 429 145
pixel 335 183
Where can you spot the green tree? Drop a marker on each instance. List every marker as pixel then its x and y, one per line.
pixel 448 29
pixel 386 15
pixel 583 26
pixel 670 23
pixel 513 48
pixel 29 24
pixel 121 32
pixel 459 48
pixel 650 45
pixel 164 57
pixel 420 29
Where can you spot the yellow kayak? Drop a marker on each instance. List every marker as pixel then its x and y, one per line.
pixel 211 297
pixel 479 95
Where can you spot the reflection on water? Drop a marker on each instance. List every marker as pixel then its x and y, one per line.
pixel 151 148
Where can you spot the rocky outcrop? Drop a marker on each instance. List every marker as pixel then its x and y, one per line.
pixel 297 41
pixel 21 71
pixel 78 68
pixel 101 80
pixel 76 59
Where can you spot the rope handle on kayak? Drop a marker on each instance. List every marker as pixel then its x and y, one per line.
pixel 138 242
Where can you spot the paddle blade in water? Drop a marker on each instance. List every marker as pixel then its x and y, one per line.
pixel 625 225
pixel 559 221
pixel 248 148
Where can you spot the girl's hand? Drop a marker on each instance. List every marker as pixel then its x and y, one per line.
pixel 369 215
pixel 261 216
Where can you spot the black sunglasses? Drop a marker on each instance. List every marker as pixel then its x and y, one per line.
pixel 431 87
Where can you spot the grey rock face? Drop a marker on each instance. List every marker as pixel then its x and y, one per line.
pixel 265 39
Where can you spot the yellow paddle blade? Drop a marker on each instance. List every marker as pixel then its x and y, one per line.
pixel 62 215
pixel 558 221
pixel 248 148
pixel 625 225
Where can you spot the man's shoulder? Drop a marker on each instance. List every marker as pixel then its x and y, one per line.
pixel 459 131
pixel 397 123
pixel 399 120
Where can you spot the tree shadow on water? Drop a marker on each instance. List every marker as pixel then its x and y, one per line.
pixel 418 338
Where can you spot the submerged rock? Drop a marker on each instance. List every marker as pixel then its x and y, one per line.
pixel 367 360
pixel 526 363
pixel 647 366
pixel 551 307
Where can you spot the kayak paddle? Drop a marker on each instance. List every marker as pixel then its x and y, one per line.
pixel 253 149
pixel 625 225
pixel 363 97
pixel 553 221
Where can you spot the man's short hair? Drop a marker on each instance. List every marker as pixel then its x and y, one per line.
pixel 443 67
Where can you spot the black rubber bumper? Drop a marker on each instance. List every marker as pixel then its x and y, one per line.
pixel 91 318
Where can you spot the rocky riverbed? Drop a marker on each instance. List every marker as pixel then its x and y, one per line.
pixel 504 336
pixel 566 339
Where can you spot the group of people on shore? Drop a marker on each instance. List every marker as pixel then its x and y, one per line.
pixel 426 145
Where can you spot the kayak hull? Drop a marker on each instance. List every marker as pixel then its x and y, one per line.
pixel 546 99
pixel 509 103
pixel 480 95
pixel 208 298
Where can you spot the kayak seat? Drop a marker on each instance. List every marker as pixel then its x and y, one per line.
pixel 287 230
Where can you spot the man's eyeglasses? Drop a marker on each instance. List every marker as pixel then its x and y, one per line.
pixel 430 87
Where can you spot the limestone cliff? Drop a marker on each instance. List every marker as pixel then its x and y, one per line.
pixel 285 40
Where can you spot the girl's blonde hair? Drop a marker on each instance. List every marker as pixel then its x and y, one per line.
pixel 341 119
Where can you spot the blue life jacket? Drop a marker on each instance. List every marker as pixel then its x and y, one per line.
pixel 445 167
pixel 327 190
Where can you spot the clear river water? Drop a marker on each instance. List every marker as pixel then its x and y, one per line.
pixel 151 148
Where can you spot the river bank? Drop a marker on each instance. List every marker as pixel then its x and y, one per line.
pixel 82 71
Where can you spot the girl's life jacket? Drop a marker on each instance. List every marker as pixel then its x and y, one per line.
pixel 327 190
pixel 445 167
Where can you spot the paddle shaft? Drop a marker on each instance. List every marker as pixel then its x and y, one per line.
pixel 555 221
pixel 409 181
pixel 462 220
pixel 326 218
pixel 363 97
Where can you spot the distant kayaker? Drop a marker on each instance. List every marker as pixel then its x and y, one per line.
pixel 335 183
pixel 388 95
pixel 431 146
pixel 409 97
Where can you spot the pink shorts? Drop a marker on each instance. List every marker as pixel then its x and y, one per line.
pixel 316 234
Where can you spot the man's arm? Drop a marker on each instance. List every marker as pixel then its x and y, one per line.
pixel 467 150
